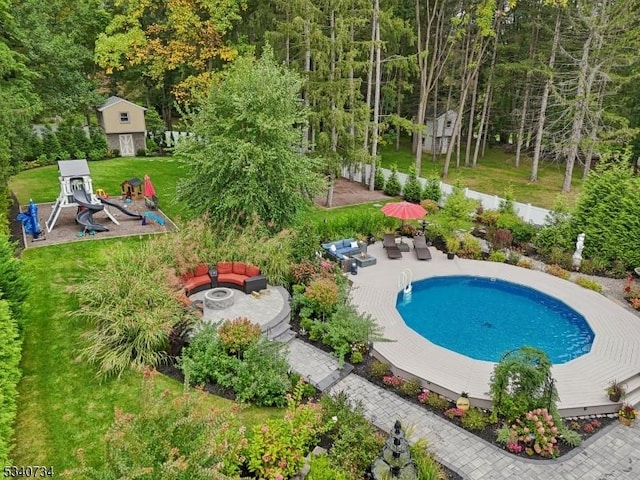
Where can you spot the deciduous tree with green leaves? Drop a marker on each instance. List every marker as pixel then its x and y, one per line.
pixel 245 158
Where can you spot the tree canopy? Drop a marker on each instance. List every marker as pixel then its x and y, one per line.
pixel 245 159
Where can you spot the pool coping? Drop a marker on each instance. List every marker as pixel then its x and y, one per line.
pixel 581 382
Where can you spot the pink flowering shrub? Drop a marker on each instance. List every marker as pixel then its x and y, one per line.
pixel 454 412
pixel 514 447
pixel 393 380
pixel 423 397
pixel 537 432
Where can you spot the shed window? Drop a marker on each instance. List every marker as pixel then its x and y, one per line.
pixel 124 117
pixel 449 123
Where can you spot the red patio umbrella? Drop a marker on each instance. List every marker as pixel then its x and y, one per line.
pixel 149 191
pixel 404 210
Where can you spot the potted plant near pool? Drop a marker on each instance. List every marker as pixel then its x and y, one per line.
pixel 627 415
pixel 615 390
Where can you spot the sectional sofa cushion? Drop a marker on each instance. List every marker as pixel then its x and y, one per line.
pixel 224 267
pixel 239 268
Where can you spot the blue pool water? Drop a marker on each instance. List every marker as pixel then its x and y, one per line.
pixel 484 318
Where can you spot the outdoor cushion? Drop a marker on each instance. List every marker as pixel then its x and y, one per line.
pixel 354 244
pixel 187 276
pixel 196 282
pixel 224 267
pixel 202 269
pixel 252 271
pixel 239 268
pixel 333 248
pixel 232 278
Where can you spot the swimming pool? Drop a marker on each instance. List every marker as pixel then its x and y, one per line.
pixel 483 318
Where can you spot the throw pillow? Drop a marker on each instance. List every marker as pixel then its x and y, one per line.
pixel 354 244
pixel 332 248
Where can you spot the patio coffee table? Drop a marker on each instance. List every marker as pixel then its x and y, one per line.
pixel 367 261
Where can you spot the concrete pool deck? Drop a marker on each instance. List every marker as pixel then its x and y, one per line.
pixel 581 383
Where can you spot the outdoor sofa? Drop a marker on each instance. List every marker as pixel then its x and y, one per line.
pixel 240 275
pixel 341 249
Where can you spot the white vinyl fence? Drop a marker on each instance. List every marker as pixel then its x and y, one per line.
pixel 526 211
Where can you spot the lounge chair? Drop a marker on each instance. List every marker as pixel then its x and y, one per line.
pixel 421 248
pixel 389 241
pixel 393 252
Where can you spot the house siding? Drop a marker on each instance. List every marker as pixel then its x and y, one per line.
pixel 110 118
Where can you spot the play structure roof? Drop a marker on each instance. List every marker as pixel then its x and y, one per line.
pixel 73 168
pixel 134 182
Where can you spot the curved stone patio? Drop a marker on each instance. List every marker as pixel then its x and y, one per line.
pixel 581 382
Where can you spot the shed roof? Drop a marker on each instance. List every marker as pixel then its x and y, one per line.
pixel 73 168
pixel 113 100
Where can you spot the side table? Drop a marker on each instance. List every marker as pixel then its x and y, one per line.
pixel 213 273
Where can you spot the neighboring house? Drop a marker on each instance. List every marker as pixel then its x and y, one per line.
pixel 439 142
pixel 124 126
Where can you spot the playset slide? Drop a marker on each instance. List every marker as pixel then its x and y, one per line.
pixel 119 207
pixel 85 217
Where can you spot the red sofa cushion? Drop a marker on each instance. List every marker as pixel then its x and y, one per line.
pixel 224 267
pixel 252 271
pixel 186 277
pixel 239 268
pixel 202 269
pixel 232 278
pixel 196 282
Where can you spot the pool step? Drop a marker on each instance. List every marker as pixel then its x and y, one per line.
pixel 632 388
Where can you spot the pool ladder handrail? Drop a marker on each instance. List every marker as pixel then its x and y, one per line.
pixel 404 281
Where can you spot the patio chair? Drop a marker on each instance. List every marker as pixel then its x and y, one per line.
pixel 393 252
pixel 389 241
pixel 421 248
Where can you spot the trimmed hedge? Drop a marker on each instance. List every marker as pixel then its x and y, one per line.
pixel 10 351
pixel 608 213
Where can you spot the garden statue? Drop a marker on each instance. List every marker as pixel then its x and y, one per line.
pixel 577 255
pixel 395 460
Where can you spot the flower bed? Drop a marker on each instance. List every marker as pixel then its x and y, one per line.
pixel 518 445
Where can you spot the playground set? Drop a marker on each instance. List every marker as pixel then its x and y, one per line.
pixel 76 190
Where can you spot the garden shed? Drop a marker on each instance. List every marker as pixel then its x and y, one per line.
pixel 124 126
pixel 438 135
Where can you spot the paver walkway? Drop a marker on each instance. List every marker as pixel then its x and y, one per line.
pixel 612 454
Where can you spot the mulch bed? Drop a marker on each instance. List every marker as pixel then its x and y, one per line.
pixel 346 193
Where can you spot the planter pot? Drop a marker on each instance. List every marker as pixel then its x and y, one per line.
pixel 451 255
pixel 463 404
pixel 627 422
pixel 615 397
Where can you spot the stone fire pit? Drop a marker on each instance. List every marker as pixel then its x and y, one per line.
pixel 218 298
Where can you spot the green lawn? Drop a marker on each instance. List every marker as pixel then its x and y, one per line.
pixel 493 174
pixel 42 185
pixel 61 405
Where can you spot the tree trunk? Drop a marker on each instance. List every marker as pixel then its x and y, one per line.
pixel 580 111
pixel 593 135
pixel 545 99
pixel 399 108
pixel 376 101
pixel 370 68
pixel 523 117
pixel 485 106
pixel 472 114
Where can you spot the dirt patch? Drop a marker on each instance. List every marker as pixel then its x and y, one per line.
pixel 66 228
pixel 346 193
